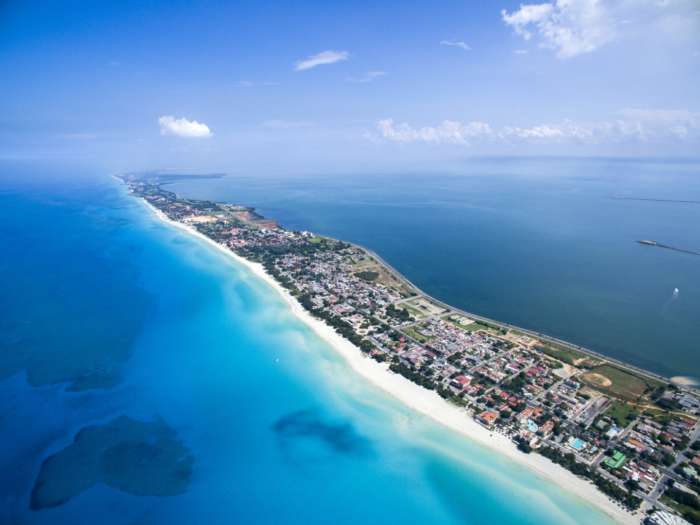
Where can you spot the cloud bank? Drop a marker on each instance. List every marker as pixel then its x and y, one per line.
pixel 449 131
pixel 321 59
pixel 181 127
pixel 642 125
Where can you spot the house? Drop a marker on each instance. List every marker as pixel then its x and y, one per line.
pixel 616 461
pixel 488 418
pixel 635 444
pixel 461 382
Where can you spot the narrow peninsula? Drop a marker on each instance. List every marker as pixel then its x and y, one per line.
pixel 631 434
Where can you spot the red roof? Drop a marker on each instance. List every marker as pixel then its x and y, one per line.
pixel 489 416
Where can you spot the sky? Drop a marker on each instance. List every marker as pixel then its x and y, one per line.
pixel 323 86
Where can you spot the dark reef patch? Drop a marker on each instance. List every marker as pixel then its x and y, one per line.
pixel 139 458
pixel 341 438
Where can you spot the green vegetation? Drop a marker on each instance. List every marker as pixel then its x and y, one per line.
pixel 668 404
pixel 412 375
pixel 398 313
pixel 414 311
pixel 516 384
pixel 412 332
pixel 471 327
pixel 622 413
pixel 620 383
pixel 659 415
pixel 685 503
pixel 367 275
pixel 567 355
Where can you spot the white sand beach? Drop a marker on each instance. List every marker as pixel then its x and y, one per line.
pixel 422 400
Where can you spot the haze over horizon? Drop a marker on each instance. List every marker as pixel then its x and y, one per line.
pixel 257 86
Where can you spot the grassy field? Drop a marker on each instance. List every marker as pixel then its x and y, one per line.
pixel 564 354
pixel 415 312
pixel 368 266
pixel 367 275
pixel 428 308
pixel 620 383
pixel 411 332
pixel 622 413
pixel 472 327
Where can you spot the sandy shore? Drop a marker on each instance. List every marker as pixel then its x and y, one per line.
pixel 422 400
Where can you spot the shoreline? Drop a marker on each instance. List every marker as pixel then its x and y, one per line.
pixel 419 399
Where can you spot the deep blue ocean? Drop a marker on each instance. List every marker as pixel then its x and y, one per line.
pixel 106 312
pixel 547 244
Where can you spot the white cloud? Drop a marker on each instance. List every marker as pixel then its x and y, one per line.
pixel 455 43
pixel 576 27
pixel 641 125
pixel 181 127
pixel 569 27
pixel 320 59
pixel 367 77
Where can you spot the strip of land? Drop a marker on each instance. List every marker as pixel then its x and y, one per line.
pixel 627 438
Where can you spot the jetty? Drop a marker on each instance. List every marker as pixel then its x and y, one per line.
pixel 647 242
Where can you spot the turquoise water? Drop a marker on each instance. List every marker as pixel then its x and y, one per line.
pixel 540 243
pixel 107 312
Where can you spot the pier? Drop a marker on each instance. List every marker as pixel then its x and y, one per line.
pixel 646 242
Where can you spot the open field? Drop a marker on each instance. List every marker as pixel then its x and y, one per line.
pixel 368 266
pixel 412 332
pixel 659 415
pixel 471 327
pixel 425 307
pixel 622 413
pixel 459 320
pixel 618 382
pixel 567 355
pixel 367 275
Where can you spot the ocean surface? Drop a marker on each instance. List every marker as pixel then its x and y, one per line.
pixel 146 378
pixel 546 244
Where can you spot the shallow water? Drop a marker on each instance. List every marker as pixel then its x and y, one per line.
pixel 279 429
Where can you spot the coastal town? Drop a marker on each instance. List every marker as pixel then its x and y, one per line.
pixel 634 435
